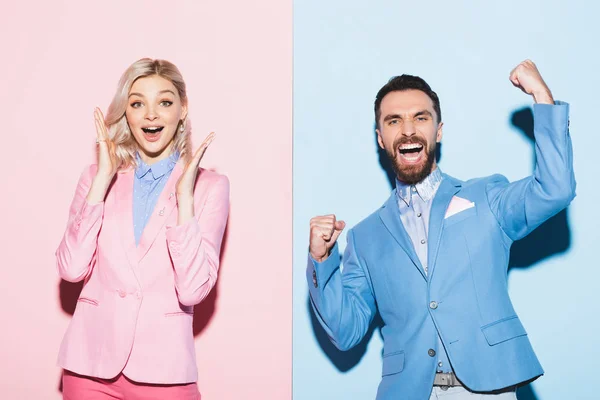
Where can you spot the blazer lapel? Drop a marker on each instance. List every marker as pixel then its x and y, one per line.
pixel 125 205
pixel 390 216
pixel 448 188
pixel 164 207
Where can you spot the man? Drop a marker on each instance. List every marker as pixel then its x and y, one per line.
pixel 433 259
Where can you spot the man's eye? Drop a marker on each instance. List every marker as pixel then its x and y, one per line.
pixel 421 119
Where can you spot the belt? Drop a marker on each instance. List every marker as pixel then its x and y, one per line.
pixel 446 379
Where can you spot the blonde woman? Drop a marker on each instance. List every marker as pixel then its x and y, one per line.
pixel 144 233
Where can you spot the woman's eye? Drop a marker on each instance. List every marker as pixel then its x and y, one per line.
pixel 136 104
pixel 166 103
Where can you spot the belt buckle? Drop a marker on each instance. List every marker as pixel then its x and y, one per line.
pixel 446 379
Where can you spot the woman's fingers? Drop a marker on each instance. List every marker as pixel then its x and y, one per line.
pixel 101 130
pixel 202 149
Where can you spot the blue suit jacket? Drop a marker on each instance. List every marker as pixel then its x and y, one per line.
pixel 464 297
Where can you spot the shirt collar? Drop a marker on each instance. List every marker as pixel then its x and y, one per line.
pixel 157 170
pixel 425 189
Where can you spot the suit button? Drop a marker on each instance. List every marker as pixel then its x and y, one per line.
pixel 433 305
pixel 122 293
pixel 314 274
pixel 431 352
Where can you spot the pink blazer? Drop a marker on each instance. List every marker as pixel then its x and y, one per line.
pixel 135 312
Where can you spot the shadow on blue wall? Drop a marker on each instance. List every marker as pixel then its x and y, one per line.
pixel 551 238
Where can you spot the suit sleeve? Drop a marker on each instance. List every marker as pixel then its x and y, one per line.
pixel 523 205
pixel 75 255
pixel 195 246
pixel 343 301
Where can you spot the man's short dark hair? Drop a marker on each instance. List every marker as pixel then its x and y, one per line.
pixel 406 82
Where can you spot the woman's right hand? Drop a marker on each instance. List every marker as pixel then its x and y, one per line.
pixel 107 161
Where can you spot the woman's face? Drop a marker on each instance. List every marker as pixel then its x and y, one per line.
pixel 153 113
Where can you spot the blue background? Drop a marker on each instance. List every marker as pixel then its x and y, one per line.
pixel 344 51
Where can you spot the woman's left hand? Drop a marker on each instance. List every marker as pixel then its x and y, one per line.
pixel 187 181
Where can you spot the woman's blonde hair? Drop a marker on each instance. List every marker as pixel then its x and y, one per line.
pixel 118 129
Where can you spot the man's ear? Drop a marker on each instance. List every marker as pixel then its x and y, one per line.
pixel 379 139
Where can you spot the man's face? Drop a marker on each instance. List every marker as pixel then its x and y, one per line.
pixel 408 131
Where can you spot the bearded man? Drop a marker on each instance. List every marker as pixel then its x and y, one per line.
pixel 433 259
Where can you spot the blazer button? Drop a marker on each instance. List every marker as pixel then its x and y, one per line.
pixel 122 293
pixel 433 305
pixel 315 279
pixel 431 352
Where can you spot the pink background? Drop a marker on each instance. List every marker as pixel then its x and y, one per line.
pixel 60 59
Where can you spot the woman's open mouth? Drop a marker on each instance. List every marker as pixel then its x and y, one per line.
pixel 152 133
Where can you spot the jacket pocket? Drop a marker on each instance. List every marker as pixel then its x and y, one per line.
pixel 88 301
pixel 177 313
pixel 503 330
pixel 460 216
pixel 393 363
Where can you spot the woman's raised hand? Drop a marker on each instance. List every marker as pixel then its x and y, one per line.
pixel 187 181
pixel 107 161
pixel 185 185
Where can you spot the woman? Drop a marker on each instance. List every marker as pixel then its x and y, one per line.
pixel 144 232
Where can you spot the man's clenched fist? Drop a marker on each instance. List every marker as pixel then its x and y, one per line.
pixel 324 231
pixel 526 77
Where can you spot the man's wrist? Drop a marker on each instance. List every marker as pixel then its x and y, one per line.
pixel 320 259
pixel 543 96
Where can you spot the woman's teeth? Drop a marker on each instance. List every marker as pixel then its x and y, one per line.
pixel 153 129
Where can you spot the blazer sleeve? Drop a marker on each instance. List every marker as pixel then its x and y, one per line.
pixel 523 205
pixel 343 302
pixel 76 253
pixel 195 246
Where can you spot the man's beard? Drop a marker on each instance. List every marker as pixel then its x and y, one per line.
pixel 412 174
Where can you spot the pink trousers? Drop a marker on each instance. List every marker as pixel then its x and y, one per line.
pixel 79 387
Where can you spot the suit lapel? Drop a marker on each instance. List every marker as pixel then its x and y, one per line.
pixel 448 188
pixel 164 207
pixel 125 205
pixel 390 216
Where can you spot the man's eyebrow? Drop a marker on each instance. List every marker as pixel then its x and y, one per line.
pixel 416 114
pixel 422 113
pixel 392 116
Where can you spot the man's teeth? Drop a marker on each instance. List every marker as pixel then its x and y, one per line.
pixel 411 146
